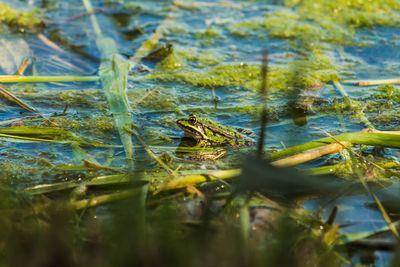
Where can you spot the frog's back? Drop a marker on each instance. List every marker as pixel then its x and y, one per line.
pixel 245 132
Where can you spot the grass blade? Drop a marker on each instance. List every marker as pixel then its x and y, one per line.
pixel 384 139
pixel 12 98
pixel 19 79
pixel 113 73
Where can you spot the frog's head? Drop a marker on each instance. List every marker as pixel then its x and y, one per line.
pixel 193 127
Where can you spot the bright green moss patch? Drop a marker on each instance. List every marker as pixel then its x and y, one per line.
pixel 301 72
pixel 87 123
pixel 389 92
pixel 18 19
pixel 218 76
pixel 171 62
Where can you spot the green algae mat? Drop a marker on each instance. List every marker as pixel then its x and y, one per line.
pixel 93 160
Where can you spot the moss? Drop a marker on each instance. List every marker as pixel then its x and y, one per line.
pixel 68 123
pixel 209 33
pixel 386 118
pixel 350 13
pixel 176 29
pixel 201 57
pixel 210 58
pixel 171 62
pixel 301 72
pixel 156 136
pixel 293 27
pixel 342 105
pixel 381 107
pixel 18 19
pixel 189 54
pixel 332 21
pixel 98 125
pixel 389 92
pixel 18 169
pixel 10 172
pixel 76 98
pixel 159 102
pixel 104 124
pixel 221 75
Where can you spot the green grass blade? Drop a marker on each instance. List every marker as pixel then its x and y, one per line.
pixel 348 238
pixel 193 179
pixel 113 73
pixel 48 134
pixel 19 79
pixel 361 138
pixel 107 180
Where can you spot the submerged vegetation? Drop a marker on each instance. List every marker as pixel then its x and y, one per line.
pixel 94 169
pixel 19 20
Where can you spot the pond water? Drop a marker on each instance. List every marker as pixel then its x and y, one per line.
pixel 213 71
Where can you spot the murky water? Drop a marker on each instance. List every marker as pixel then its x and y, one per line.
pixel 213 71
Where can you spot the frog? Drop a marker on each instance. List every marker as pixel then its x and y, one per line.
pixel 160 53
pixel 208 133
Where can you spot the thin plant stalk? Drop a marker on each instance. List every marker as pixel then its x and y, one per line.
pixel 310 155
pixel 372 82
pixel 263 95
pixel 182 182
pixel 364 118
pixel 12 98
pixel 384 139
pixel 35 79
pixel 104 199
pixel 49 43
pixel 23 66
pixel 148 150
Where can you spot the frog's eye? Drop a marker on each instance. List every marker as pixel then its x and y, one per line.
pixel 193 120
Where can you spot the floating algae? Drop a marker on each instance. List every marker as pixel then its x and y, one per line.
pixel 19 20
